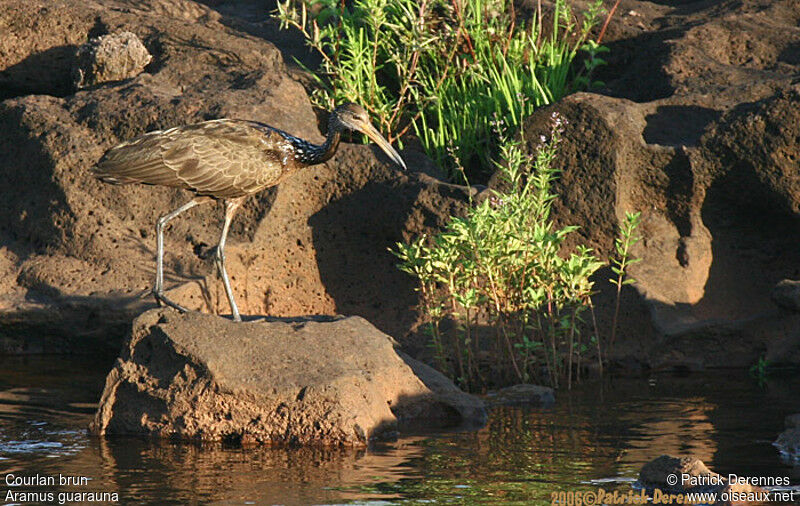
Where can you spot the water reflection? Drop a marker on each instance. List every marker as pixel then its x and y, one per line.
pixel 598 435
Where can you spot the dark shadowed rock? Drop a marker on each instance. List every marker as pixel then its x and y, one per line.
pixel 109 58
pixel 792 421
pixel 678 475
pixel 661 472
pixel 786 294
pixel 325 381
pixel 522 394
pixel 788 443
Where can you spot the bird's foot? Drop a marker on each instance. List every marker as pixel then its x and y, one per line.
pixel 162 300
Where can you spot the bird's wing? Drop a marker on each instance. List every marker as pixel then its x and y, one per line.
pixel 221 158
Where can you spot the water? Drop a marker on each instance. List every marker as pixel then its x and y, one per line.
pixel 597 436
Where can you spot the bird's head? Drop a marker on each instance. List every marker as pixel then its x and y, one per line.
pixel 354 117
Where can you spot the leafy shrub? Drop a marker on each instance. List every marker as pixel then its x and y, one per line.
pixel 451 71
pixel 502 271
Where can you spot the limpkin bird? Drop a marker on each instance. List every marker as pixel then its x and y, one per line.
pixel 224 159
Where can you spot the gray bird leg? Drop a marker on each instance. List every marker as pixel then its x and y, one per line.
pixel 231 206
pixel 158 290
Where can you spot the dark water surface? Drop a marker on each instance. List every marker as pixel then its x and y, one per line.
pixel 596 436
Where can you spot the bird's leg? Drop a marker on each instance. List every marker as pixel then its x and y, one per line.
pixel 158 290
pixel 231 206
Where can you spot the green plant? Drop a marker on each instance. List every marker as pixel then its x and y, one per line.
pixel 452 71
pixel 501 277
pixel 621 262
pixel 760 370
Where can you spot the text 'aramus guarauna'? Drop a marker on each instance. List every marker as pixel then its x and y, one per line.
pixel 224 159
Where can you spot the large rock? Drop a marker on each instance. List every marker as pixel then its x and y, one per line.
pixel 78 254
pixel 326 381
pixel 702 138
pixel 698 129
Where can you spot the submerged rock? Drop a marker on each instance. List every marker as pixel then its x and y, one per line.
pixel 689 474
pixel 333 381
pixel 523 394
pixel 786 294
pixel 788 443
pixel 658 473
pixel 109 58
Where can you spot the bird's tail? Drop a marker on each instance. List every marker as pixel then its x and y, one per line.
pixel 105 177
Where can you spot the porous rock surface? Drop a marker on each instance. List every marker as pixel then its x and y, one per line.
pixel 698 128
pixel 327 381
pixel 77 255
pixel 109 58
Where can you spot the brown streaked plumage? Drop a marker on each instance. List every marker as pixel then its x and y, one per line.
pixel 224 159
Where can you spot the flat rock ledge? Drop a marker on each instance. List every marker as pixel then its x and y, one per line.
pixel 332 381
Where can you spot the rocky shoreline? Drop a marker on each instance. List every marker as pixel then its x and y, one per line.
pixel 697 127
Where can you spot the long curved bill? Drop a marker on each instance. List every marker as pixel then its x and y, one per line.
pixel 387 148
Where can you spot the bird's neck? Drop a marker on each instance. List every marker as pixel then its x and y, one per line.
pixel 312 154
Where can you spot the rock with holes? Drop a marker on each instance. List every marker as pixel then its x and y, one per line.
pixel 322 381
pixel 109 58
pixel 76 255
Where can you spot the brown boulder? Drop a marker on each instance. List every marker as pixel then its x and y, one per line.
pixel 702 138
pixel 679 474
pixel 326 381
pixel 109 58
pixel 82 251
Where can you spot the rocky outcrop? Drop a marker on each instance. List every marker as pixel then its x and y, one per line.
pixel 78 254
pixel 701 136
pixel 325 381
pixel 697 127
